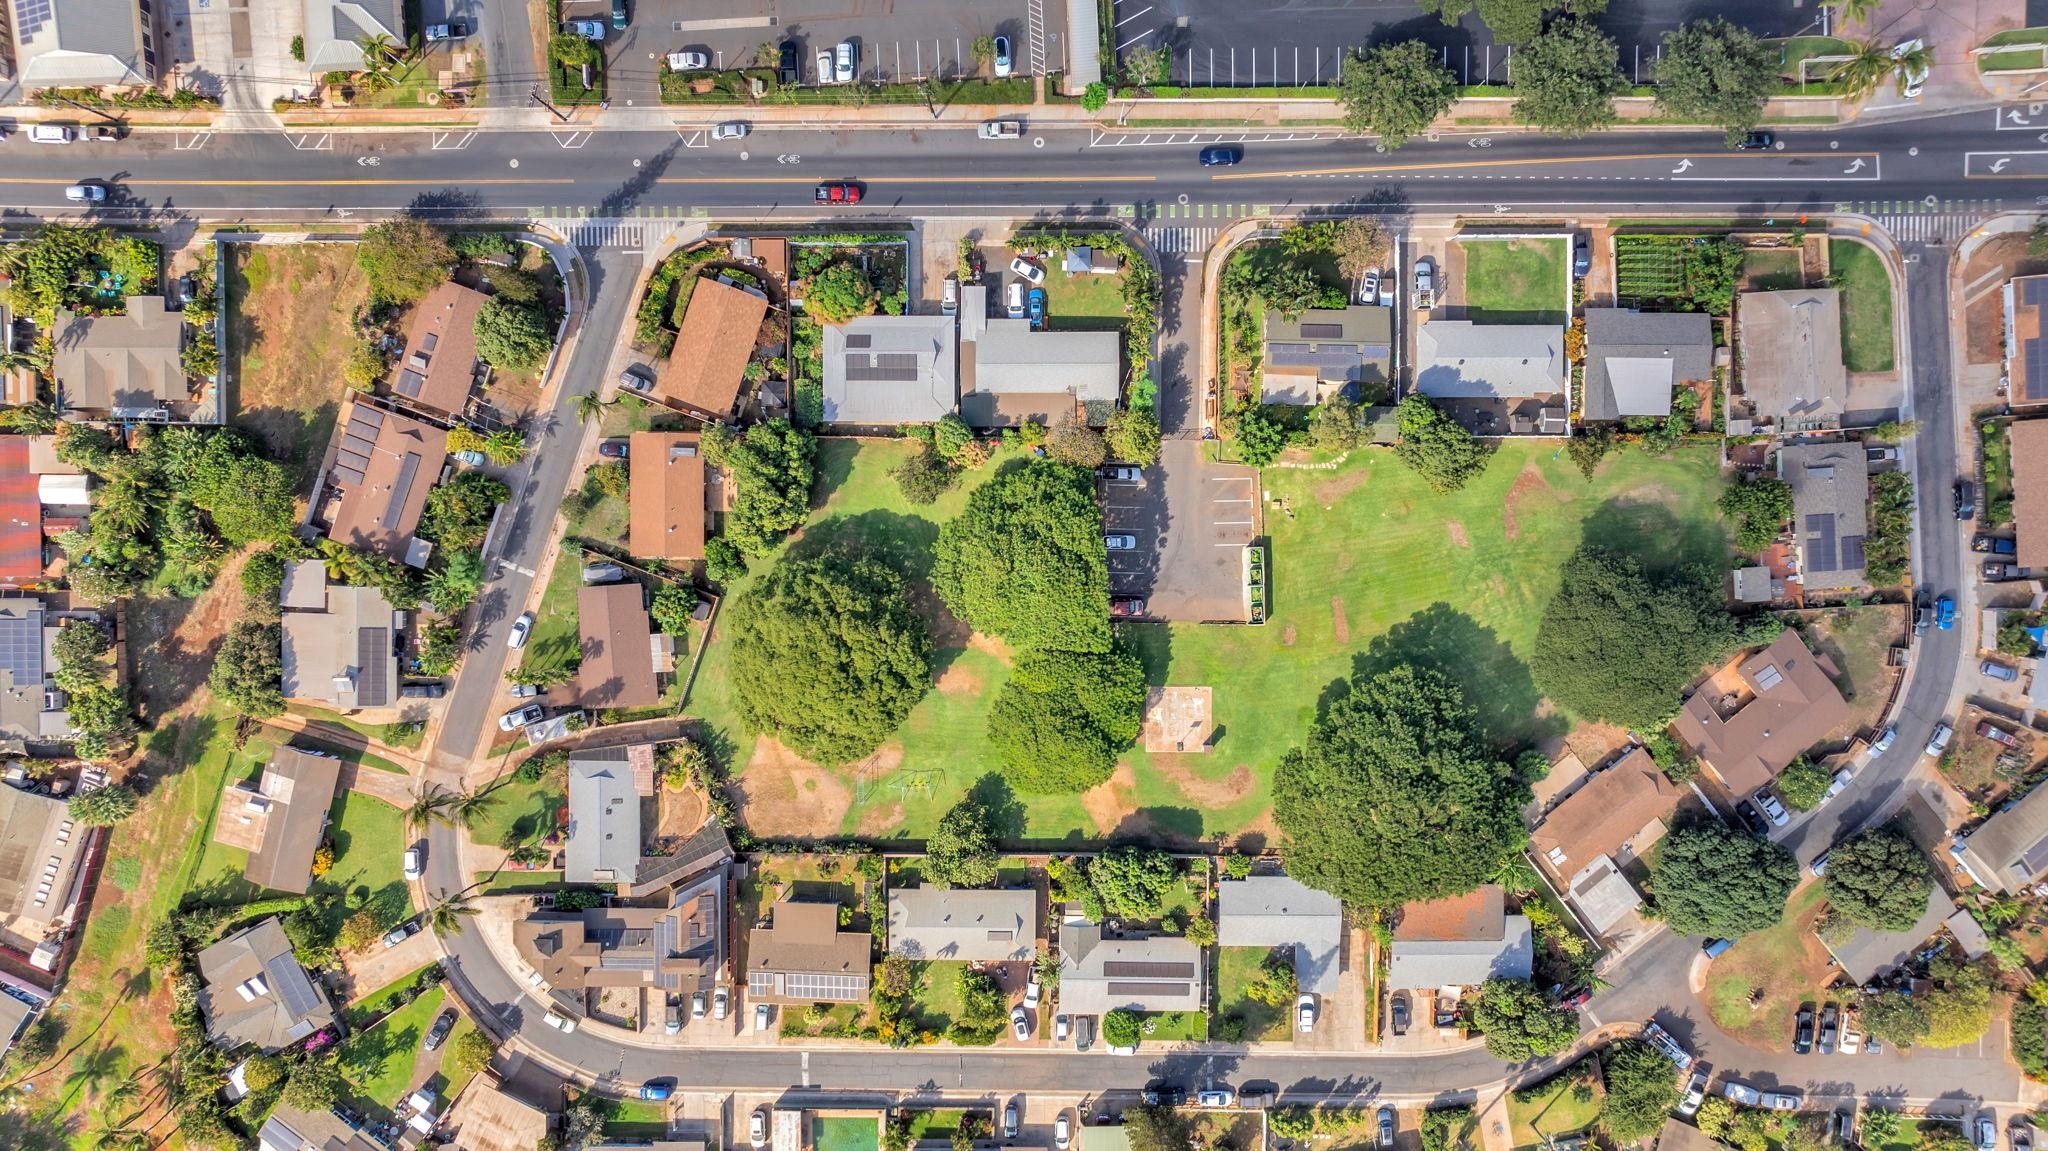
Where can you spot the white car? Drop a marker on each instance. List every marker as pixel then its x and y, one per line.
pixel 1839 784
pixel 521 628
pixel 696 1005
pixel 561 1023
pixel 1773 809
pixel 1218 1098
pixel 1123 473
pixel 1369 286
pixel 1695 1094
pixel 1032 991
pixel 1020 1023
pixel 1062 1132
pixel 1030 271
pixel 824 65
pixel 729 130
pixel 688 61
pixel 1061 1025
pixel 1884 742
pixel 1118 543
pixel 411 864
pixel 1016 300
pixel 86 193
pixel 1911 80
pixel 1939 740
pixel 1742 1093
pixel 588 29
pixel 757 1126
pixel 1305 1014
pixel 842 62
pixel 721 1002
pixel 762 1014
pixel 1004 65
pixel 519 717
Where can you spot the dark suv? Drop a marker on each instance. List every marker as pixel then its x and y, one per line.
pixel 1802 1030
pixel 785 64
pixel 1966 500
pixel 1221 155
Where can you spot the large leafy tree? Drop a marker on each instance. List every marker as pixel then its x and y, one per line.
pixel 1759 508
pixel 839 293
pixel 1395 796
pixel 962 849
pixel 772 468
pixel 248 670
pixel 1519 1023
pixel 103 807
pixel 1063 717
pixel 1615 645
pixel 459 512
pixel 1879 879
pixel 1959 1008
pixel 1514 22
pixel 1395 91
pixel 1132 881
pixel 1437 447
pixel 404 258
pixel 1025 561
pixel 829 656
pixel 1715 72
pixel 512 336
pixel 1641 1090
pixel 1566 79
pixel 1709 880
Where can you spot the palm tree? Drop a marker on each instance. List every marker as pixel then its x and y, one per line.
pixel 1853 11
pixel 117 1134
pixel 467 807
pixel 429 805
pixel 446 916
pixel 92 1068
pixel 590 406
pixel 505 446
pixel 1869 65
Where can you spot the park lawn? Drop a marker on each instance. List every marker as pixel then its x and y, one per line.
pixel 1515 281
pixel 1238 968
pixel 1867 344
pixel 1083 302
pixel 1785 961
pixel 1556 1107
pixel 1174 1026
pixel 379 1062
pixel 935 993
pixel 1772 270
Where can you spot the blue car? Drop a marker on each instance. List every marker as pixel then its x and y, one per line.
pixel 656 1089
pixel 618 13
pixel 1034 307
pixel 1221 155
pixel 1945 613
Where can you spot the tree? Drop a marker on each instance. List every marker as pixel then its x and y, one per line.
pixel 459 512
pixel 248 669
pixel 1069 441
pixel 1894 1017
pixel 446 915
pixel 1519 1024
pixel 1062 718
pixel 80 647
pixel 470 1053
pixel 1802 784
pixel 984 50
pixel 772 469
pixel 1853 12
pixel 1715 1116
pixel 360 931
pixel 672 606
pixel 924 476
pixel 1872 63
pixel 1566 79
pixel 1333 424
pixel 37 1045
pixel 951 436
pixel 1437 447
pixel 1878 880
pixel 1959 1008
pixel 315 1085
pixel 590 406
pixel 1641 1090
pixel 506 446
pixel 1360 243
pixel 404 258
pixel 455 584
pixel 104 807
pixel 513 337
pixel 1259 437
pixel 1025 561
pixel 1613 645
pixel 1147 67
pixel 962 849
pixel 839 293
pixel 1132 881
pixel 105 723
pixel 1121 1028
pixel 1759 507
pixel 1879 1128
pixel 1885 542
pixel 1395 796
pixel 363 366
pixel 1133 436
pixel 1395 91
pixel 1714 72
pixel 1710 880
pixel 723 562
pixel 1149 1127
pixel 828 656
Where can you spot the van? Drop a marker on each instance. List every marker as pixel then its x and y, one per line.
pixel 949 301
pixel 52 133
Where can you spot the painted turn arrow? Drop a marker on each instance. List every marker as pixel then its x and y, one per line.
pixel 1682 166
pixel 1855 167
pixel 1999 164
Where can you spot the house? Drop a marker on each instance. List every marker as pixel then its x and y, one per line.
pixel 253 991
pixel 1279 911
pixel 1678 1135
pixel 1461 360
pixel 439 364
pixel 1752 718
pixel 2008 852
pixel 281 818
pixel 1099 975
pixel 676 946
pixel 376 488
pixel 21 515
pixel 1091 261
pixel 1754 584
pixel 1615 817
pixel 1603 896
pixel 1866 953
pixel 1011 374
pixel 1791 345
pixel 18 1008
pixel 2028 440
pixel 621 651
pixel 1634 360
pixel 42 853
pixel 2026 356
pixel 336 29
pixel 342 655
pixel 667 493
pixel 606 787
pixel 802 956
pixel 81 44
pixel 1324 351
pixel 956 923
pixel 288 1128
pixel 1830 507
pixel 489 1116
pixel 126 366
pixel 887 370
pixel 1446 945
pixel 31 709
pixel 708 364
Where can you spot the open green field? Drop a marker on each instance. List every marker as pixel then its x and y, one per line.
pixel 1566 1103
pixel 1514 281
pixel 1083 302
pixel 1866 306
pixel 1371 567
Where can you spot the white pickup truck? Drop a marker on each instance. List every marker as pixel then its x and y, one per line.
pixel 1002 130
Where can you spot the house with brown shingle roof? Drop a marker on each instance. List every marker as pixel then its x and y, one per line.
pixel 439 364
pixel 1749 720
pixel 2029 455
pixel 281 818
pixel 1446 945
pixel 376 488
pixel 802 956
pixel 704 371
pixel 1619 812
pixel 666 491
pixel 619 653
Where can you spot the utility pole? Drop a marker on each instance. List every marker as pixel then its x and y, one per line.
pixel 533 96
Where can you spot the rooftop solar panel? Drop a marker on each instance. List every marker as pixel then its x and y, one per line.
pixel 373 657
pixel 1769 677
pixel 1820 543
pixel 401 487
pixel 1323 331
pixel 2035 857
pixel 410 383
pixel 860 340
pixel 1137 990
pixel 21 648
pixel 864 368
pixel 2033 290
pixel 288 979
pixel 1148 969
pixel 1852 553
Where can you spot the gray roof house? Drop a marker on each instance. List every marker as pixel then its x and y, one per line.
pixel 1461 941
pixel 336 29
pixel 883 370
pixel 1830 509
pixel 1324 350
pixel 1791 346
pixel 604 816
pixel 284 815
pixel 1097 975
pixel 1867 954
pixel 289 1129
pixel 954 923
pixel 1278 911
pixel 1010 374
pixel 27 710
pixel 341 657
pixel 2009 851
pixel 1634 360
pixel 253 991
pixel 122 365
pixel 1458 359
pixel 82 43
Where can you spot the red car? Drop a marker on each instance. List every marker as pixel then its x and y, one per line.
pixel 838 192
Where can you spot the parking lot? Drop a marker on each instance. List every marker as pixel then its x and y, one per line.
pixel 1190 522
pixel 1223 42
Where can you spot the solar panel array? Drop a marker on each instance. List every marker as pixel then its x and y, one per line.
pixel 31 15
pixel 1852 552
pixel 410 382
pixel 860 340
pixel 825 987
pixel 288 979
pixel 1821 554
pixel 881 367
pixel 1148 969
pixel 401 487
pixel 21 648
pixel 1322 331
pixel 2034 350
pixel 1146 990
pixel 373 657
pixel 358 443
pixel 2035 857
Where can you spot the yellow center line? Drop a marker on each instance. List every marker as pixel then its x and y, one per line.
pixel 150 183
pixel 1437 166
pixel 1093 179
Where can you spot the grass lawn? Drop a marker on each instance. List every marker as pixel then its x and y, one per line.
pixel 1514 281
pixel 1083 301
pixel 637 1119
pixel 2014 59
pixel 379 1063
pixel 845 1133
pixel 1867 343
pixel 375 1003
pixel 1771 270
pixel 935 993
pixel 518 811
pixel 404 736
pixel 1174 1026
pixel 1800 48
pixel 555 641
pixel 938 1125
pixel 291 312
pixel 837 1019
pixel 1238 968
pixel 1785 962
pixel 1909 1134
pixel 1859 642
pixel 1561 1105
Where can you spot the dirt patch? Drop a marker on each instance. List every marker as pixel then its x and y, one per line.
pixel 783 794
pixel 682 812
pixel 1109 804
pixel 946 629
pixel 959 680
pixel 1527 483
pixel 1287 636
pixel 1458 536
pixel 1996 260
pixel 1499 585
pixel 292 321
pixel 172 642
pixel 1205 792
pixel 1259 836
pixel 876 821
pixel 1342 484
pixel 1338 623
pixel 990 645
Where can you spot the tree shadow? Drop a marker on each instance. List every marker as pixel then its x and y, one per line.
pixel 1653 535
pixel 1496 682
pixel 1006 813
pixel 1160 826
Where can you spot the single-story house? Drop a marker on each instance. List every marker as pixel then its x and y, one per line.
pixel 336 30
pixel 1011 374
pixel 1867 954
pixel 30 708
pixel 1461 360
pixel 342 655
pixel 1634 360
pixel 1091 261
pixel 1791 346
pixel 124 366
pixel 1322 351
pixel 376 488
pixel 1603 896
pixel 887 370
pixel 622 653
pixel 288 1128
pixel 666 491
pixel 42 853
pixel 81 44
pixel 253 991
pixel 2026 353
pixel 707 366
pixel 1751 719
pixel 606 788
pixel 490 1116
pixel 439 365
pixel 1280 911
pixel 1830 509
pixel 1098 975
pixel 2009 851
pixel 281 818
pixel 1444 946
pixel 802 956
pixel 964 924
pixel 2028 441
pixel 1611 820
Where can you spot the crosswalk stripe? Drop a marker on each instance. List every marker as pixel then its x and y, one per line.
pixel 1177 241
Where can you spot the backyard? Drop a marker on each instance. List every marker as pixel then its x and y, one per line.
pixel 292 312
pixel 1858 640
pixel 1753 990
pixel 1566 1103
pixel 1494 547
pixel 385 1061
pixel 1772 270
pixel 1866 305
pixel 1997 472
pixel 1515 281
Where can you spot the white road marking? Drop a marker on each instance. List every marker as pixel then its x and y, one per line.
pixel 1133 16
